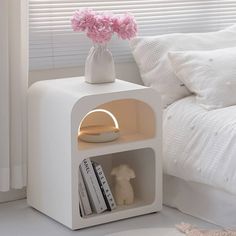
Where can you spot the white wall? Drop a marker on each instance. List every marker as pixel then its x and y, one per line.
pixel 124 71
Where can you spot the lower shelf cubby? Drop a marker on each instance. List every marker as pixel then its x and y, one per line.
pixel 143 163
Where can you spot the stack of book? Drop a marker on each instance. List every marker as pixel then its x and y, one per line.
pixel 94 191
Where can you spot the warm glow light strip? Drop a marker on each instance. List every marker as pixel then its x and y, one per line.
pixel 105 111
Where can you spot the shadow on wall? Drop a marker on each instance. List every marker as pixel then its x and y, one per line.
pixel 124 71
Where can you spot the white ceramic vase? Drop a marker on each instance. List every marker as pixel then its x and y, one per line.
pixel 99 66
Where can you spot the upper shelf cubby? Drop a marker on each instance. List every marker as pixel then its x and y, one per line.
pixel 135 119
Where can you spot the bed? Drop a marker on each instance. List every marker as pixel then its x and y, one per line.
pixel 200 160
pixel 195 75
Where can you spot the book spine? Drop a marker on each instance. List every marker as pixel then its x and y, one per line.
pixel 91 183
pixel 84 196
pixel 81 209
pixel 108 196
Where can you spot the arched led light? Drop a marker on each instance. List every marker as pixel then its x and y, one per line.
pixel 105 111
pixel 99 133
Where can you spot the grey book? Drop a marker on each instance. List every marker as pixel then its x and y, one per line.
pixel 84 199
pixel 92 186
pixel 81 209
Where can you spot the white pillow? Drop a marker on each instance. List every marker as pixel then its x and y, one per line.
pixel 211 75
pixel 151 56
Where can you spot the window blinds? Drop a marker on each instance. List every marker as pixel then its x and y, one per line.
pixel 53 44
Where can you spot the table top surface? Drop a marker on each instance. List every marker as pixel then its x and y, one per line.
pixel 78 85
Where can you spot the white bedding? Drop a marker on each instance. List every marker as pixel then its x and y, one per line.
pixel 200 145
pixel 200 200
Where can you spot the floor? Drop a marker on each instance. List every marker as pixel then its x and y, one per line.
pixel 17 219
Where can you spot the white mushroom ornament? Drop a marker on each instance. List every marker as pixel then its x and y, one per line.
pixel 124 193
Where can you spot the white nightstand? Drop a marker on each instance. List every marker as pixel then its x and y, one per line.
pixel 55 111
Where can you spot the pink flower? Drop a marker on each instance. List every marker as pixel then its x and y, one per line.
pixel 83 19
pixel 125 26
pixel 101 31
pixel 116 23
pixel 101 26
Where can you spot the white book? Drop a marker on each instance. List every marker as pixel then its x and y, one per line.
pixel 92 186
pixel 108 196
pixel 84 196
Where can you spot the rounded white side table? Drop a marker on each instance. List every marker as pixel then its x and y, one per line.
pixel 55 111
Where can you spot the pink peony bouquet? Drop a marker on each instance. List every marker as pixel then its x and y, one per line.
pixel 100 26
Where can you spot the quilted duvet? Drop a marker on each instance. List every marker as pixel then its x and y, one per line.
pixel 200 145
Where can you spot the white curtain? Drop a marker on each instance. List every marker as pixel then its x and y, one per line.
pixel 13 88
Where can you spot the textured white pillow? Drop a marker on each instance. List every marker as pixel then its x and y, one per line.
pixel 211 75
pixel 151 56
